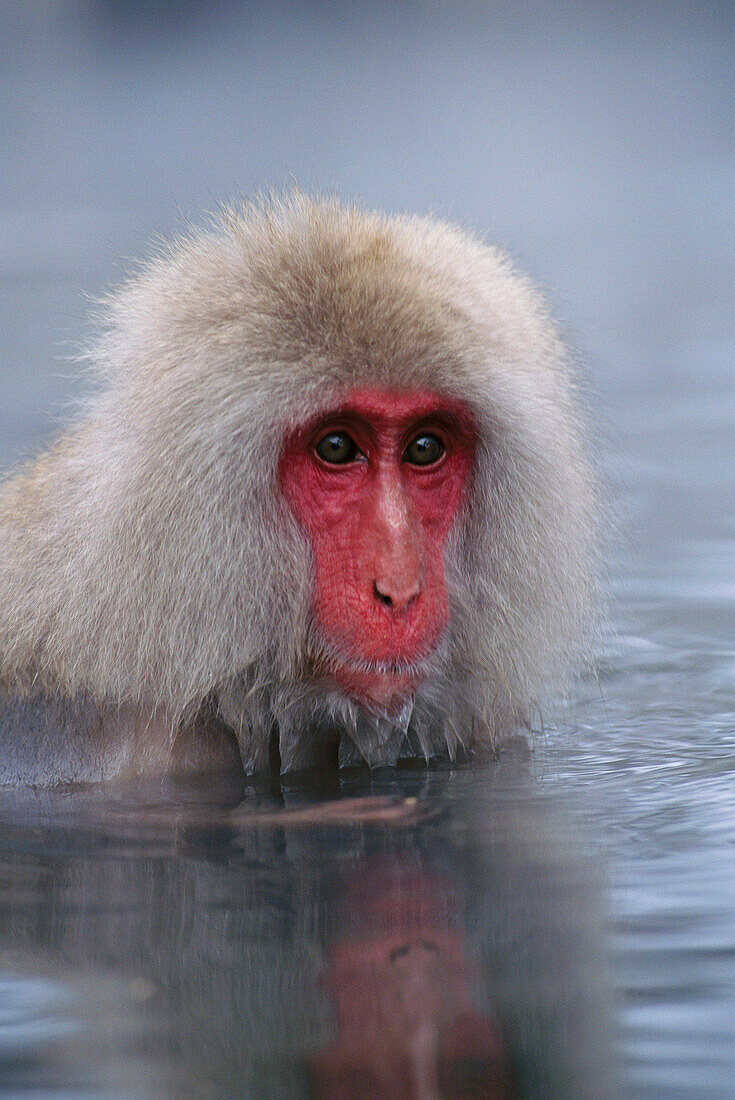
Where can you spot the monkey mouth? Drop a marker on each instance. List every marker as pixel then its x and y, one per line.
pixel 385 684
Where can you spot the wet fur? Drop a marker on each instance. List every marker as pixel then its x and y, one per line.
pixel 148 560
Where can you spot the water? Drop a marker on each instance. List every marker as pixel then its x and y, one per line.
pixel 262 941
pixel 578 905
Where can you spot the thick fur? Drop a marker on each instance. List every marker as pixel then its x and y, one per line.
pixel 149 560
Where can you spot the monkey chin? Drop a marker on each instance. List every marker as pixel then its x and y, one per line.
pixel 383 687
pixel 384 692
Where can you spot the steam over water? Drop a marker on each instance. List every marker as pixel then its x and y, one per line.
pixel 160 941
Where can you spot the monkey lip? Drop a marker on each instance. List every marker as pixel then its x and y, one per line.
pixel 386 684
pixel 386 690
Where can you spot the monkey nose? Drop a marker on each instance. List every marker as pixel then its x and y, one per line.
pixel 397 594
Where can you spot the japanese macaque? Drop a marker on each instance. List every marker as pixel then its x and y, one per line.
pixel 328 505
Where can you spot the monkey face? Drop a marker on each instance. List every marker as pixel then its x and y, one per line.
pixel 376 483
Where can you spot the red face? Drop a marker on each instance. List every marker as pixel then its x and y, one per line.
pixel 376 484
pixel 401 985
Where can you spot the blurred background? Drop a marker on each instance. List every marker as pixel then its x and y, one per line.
pixel 596 143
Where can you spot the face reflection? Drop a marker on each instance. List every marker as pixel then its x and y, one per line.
pixel 406 1027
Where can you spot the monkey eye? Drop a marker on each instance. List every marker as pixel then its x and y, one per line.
pixel 337 448
pixel 424 450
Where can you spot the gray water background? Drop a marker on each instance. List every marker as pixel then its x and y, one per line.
pixel 594 142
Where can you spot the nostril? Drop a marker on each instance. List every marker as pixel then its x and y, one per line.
pixel 381 596
pixel 397 599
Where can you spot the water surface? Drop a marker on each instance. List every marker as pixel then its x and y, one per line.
pixel 409 934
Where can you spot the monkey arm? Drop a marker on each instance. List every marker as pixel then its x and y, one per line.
pixel 50 740
pixel 44 741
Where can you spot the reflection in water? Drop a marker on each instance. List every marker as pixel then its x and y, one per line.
pixel 439 939
pixel 63 1036
pixel 400 983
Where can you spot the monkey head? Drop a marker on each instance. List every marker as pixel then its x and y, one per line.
pixel 332 490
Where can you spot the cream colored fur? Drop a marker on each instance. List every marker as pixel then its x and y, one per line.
pixel 148 559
